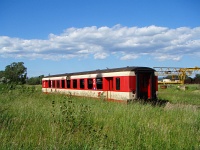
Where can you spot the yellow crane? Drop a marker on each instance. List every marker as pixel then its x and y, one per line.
pixel 176 71
pixel 187 71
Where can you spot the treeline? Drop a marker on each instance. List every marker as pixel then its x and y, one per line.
pixel 34 80
pixel 188 80
pixel 16 73
pixel 192 81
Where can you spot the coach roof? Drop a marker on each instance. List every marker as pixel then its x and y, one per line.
pixel 128 68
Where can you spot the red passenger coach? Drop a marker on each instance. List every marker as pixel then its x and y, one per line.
pixel 122 84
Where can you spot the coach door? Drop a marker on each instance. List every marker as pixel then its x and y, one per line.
pixel 109 87
pixel 144 85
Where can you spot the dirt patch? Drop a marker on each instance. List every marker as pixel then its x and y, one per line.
pixel 181 106
pixel 196 91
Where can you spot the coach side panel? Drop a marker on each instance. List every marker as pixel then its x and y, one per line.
pixel 111 87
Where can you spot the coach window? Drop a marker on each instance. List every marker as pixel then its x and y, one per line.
pixel 53 83
pixel 58 83
pixel 99 83
pixel 144 82
pixel 63 84
pixel 82 83
pixel 49 83
pixel 117 83
pixel 89 83
pixel 74 83
pixel 68 84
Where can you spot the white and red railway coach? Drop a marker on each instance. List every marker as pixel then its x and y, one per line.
pixel 121 84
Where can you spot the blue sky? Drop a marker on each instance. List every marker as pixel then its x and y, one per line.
pixel 59 36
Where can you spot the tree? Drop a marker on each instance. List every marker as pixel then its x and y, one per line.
pixel 35 80
pixel 16 73
pixel 197 76
pixel 172 77
pixel 1 74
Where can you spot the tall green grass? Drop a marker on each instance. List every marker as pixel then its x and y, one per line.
pixel 30 119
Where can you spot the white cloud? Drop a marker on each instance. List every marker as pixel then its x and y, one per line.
pixel 163 57
pixel 129 56
pixel 100 55
pixel 127 42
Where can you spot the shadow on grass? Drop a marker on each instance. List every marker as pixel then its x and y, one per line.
pixel 152 102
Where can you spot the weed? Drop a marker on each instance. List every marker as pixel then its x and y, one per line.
pixel 76 120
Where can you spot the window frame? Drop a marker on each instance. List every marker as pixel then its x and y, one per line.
pixel 99 86
pixel 118 83
pixel 89 83
pixel 82 83
pixel 74 83
pixel 63 84
pixel 68 84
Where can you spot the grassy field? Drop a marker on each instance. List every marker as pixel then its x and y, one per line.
pixel 175 95
pixel 30 119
